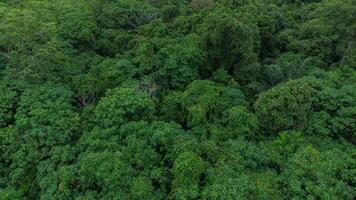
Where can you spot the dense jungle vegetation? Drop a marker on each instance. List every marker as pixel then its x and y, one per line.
pixel 177 99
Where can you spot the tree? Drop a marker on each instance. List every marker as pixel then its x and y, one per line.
pixel 239 122
pixel 45 122
pixel 287 66
pixel 93 176
pixel 128 15
pixel 172 62
pixel 187 169
pixel 333 113
pixel 198 5
pixel 314 174
pixel 75 22
pixel 326 31
pixel 225 183
pixel 141 189
pixel 202 102
pixel 232 40
pixel 267 185
pixel 285 106
pixel 23 34
pixel 8 99
pixel 108 74
pixel 124 104
pixel 182 62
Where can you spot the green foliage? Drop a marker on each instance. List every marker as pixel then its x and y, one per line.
pixel 187 169
pixel 287 66
pixel 266 184
pixel 241 154
pixel 181 62
pixel 240 122
pixel 125 14
pixel 45 122
pixel 334 112
pixel 12 194
pixel 21 29
pixel 230 178
pixel 225 183
pixel 202 102
pixel 76 22
pixel 285 106
pixel 97 175
pixel 141 189
pixel 108 74
pixel 177 99
pixel 24 36
pixel 232 41
pixel 314 174
pixel 124 104
pixel 198 5
pixel 8 100
pixel 326 32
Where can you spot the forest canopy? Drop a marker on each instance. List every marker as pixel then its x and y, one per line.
pixel 177 99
